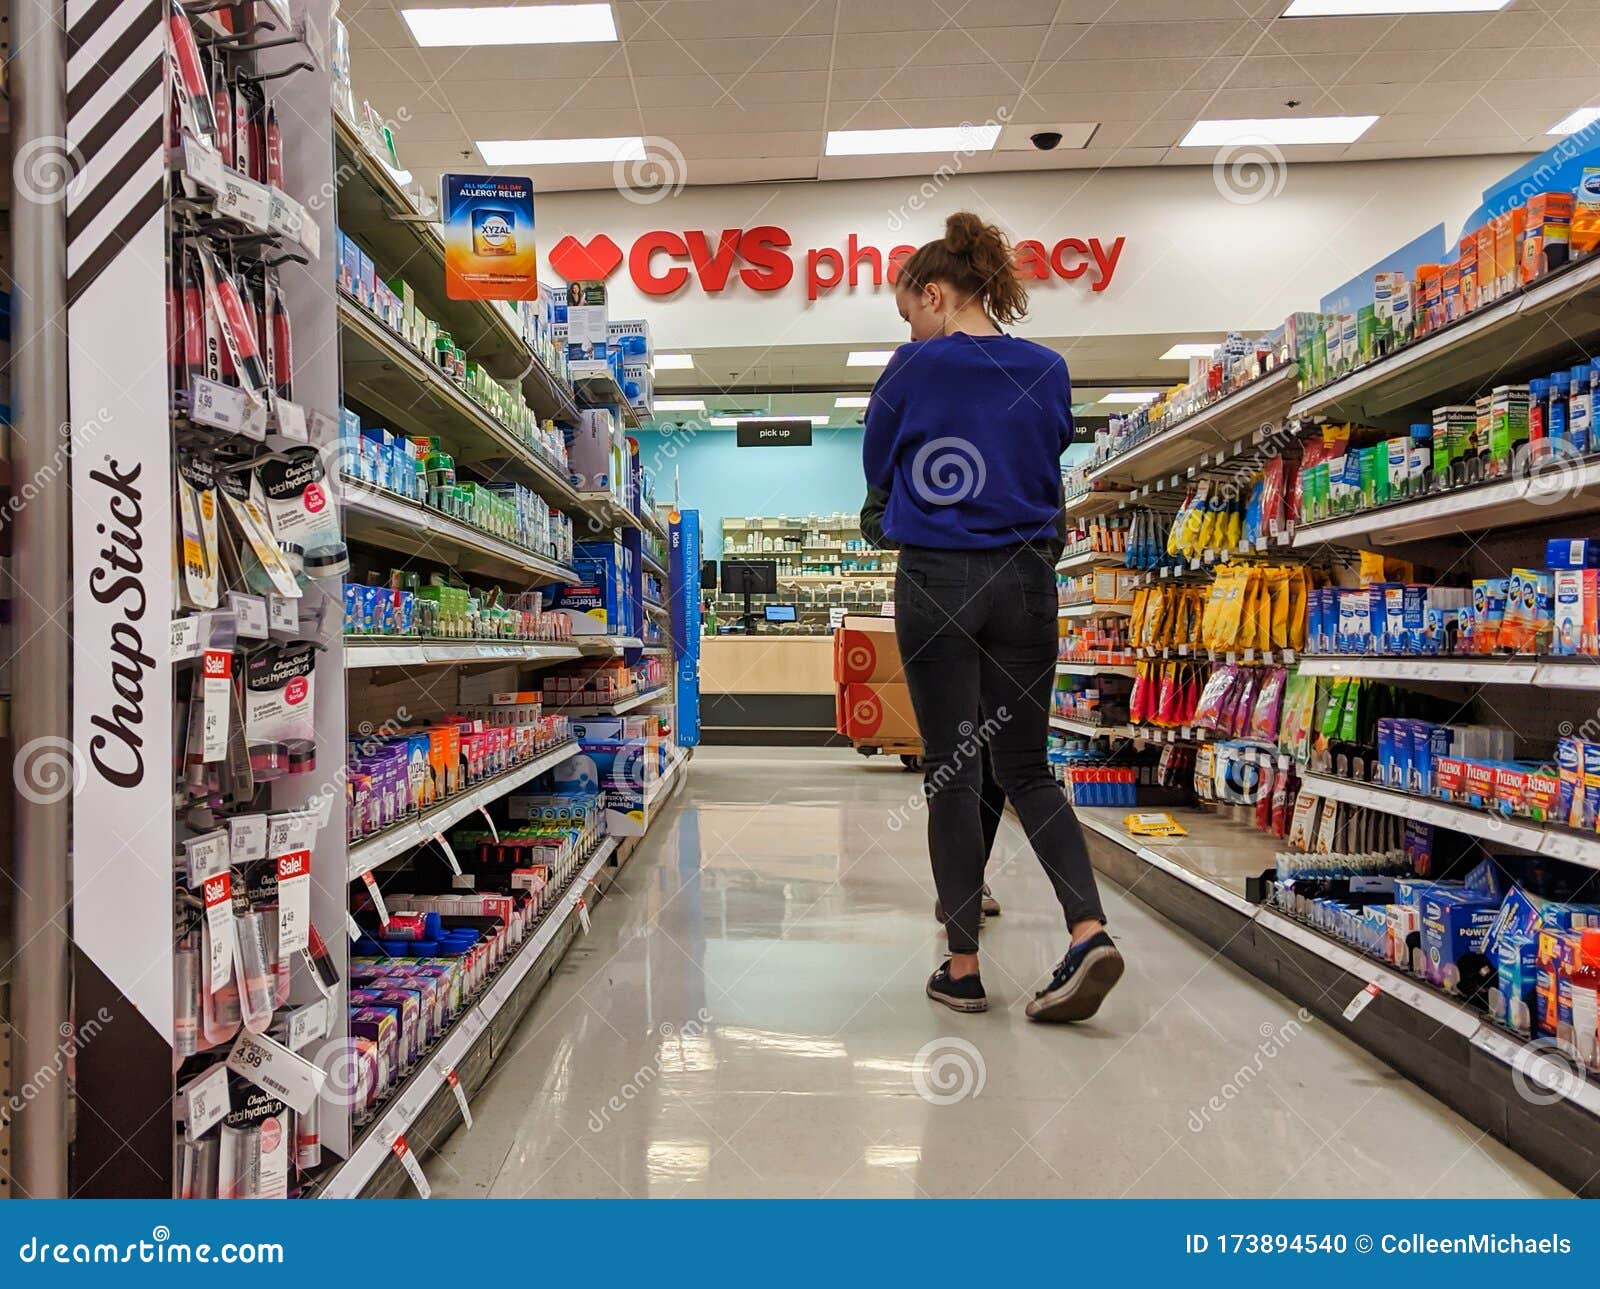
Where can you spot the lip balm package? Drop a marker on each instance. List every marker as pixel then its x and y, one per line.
pixel 299 505
pixel 232 317
pixel 197 509
pixel 255 1143
pixel 194 97
pixel 279 706
pixel 196 1169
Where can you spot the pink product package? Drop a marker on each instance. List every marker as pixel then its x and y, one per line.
pixel 1268 706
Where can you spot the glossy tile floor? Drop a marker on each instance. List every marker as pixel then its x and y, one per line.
pixel 746 1018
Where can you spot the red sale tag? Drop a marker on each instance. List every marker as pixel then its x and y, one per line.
pixel 1362 1001
pixel 408 1161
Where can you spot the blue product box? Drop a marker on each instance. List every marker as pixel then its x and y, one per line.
pixel 1379 603
pixel 349 267
pixel 1454 923
pixel 629 336
pixel 617 769
pixel 1413 618
pixel 1572 552
pixel 1569 917
pixel 1355 621
pixel 1518 916
pixel 1386 749
pixel 352 608
pixel 1591 787
pixel 1402 734
pixel 1420 774
pixel 1569 772
pixel 1516 963
pixel 367 282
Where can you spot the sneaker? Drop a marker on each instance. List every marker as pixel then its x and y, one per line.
pixel 1081 981
pixel 991 906
pixel 964 995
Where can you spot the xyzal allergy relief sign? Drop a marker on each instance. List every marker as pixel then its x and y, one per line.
pixel 489 249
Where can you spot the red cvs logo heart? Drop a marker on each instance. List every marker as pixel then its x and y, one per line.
pixel 594 260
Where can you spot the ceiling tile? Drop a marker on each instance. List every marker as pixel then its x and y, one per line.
pixel 729 56
pixel 922 17
pixel 674 122
pixel 1148 40
pixel 1004 81
pixel 703 19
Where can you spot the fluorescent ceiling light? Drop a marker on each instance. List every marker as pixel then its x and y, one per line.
pixel 1131 396
pixel 939 138
pixel 1581 119
pixel 869 357
pixel 1285 130
pixel 560 152
pixel 544 24
pixel 678 405
pixel 1346 8
pixel 767 420
pixel 672 362
pixel 851 400
pixel 1191 349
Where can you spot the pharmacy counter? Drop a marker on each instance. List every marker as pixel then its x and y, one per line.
pixel 767 689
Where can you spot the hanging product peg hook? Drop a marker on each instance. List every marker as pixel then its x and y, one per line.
pixel 288 257
pixel 262 77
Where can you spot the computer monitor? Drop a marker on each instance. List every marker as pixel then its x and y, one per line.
pixel 780 613
pixel 750 576
pixel 708 575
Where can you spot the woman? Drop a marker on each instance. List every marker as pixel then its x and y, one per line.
pixel 965 432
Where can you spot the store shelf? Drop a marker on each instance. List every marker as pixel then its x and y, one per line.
pixel 382 519
pixel 613 709
pixel 361 653
pixel 392 842
pixel 414 396
pixel 1507 340
pixel 1094 669
pixel 605 646
pixel 1259 406
pixel 655 606
pixel 650 566
pixel 1545 673
pixel 429 1078
pixel 375 211
pixel 606 511
pixel 1565 489
pixel 653 524
pixel 1141 733
pixel 658 791
pixel 1098 500
pixel 600 389
pixel 1489 1075
pixel 1542 839
pixel 1092 610
pixel 1091 559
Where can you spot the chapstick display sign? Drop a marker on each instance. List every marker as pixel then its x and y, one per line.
pixel 488 237
pixel 663 261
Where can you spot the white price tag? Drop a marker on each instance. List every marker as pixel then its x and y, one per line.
pixel 247 836
pixel 323 428
pixel 290 419
pixel 583 914
pixel 245 200
pixel 454 1080
pixel 218 896
pixel 185 639
pixel 215 700
pixel 283 615
pixel 205 1101
pixel 206 857
pixel 294 901
pixel 309 1023
pixel 401 1149
pixel 1362 1001
pixel 353 927
pixel 249 615
pixel 284 213
pixel 203 166
pixel 381 908
pixel 488 819
pixel 223 407
pixel 449 854
pixel 310 235
pixel 273 1068
pixel 1565 845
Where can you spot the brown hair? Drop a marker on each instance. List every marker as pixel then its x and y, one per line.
pixel 974 258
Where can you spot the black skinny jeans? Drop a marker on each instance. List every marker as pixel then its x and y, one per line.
pixel 977 633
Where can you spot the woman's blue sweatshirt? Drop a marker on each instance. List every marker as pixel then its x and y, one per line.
pixel 966 435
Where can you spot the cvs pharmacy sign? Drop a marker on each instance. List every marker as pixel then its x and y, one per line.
pixel 662 262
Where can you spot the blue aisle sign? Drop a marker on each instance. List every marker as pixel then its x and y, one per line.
pixel 683 555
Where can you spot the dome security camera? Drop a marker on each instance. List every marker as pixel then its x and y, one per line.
pixel 1046 140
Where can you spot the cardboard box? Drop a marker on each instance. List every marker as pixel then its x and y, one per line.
pixel 865 650
pixel 879 713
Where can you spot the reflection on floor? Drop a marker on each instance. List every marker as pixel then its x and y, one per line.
pixel 747 1018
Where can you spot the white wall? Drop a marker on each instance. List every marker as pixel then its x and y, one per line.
pixel 1193 260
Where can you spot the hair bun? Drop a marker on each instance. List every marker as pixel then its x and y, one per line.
pixel 963 231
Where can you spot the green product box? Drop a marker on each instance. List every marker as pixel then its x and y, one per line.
pixel 1508 421
pixel 1366 333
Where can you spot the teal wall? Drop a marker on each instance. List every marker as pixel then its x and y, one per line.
pixel 719 478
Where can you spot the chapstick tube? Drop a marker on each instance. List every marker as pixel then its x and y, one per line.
pixel 185 1002
pixel 308 1138
pixel 258 983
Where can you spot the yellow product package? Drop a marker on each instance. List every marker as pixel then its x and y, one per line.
pixel 1277 580
pixel 1585 235
pixel 1153 825
pixel 1299 585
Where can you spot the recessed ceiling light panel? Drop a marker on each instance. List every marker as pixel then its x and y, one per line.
pixel 526 24
pixel 1286 131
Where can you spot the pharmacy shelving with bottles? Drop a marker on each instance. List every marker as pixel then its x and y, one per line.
pixel 1389 832
pixel 389 699
pixel 825 567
